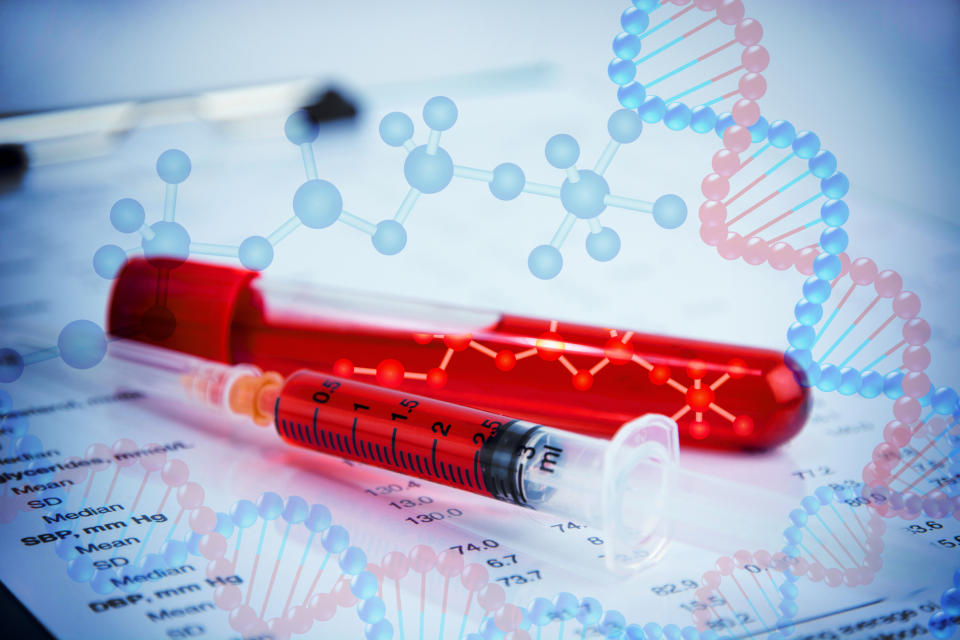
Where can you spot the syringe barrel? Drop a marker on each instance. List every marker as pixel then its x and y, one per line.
pixel 619 486
pixel 581 378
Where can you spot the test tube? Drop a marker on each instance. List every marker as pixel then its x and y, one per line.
pixel 585 379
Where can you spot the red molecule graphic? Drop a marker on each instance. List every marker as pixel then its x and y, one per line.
pixel 422 338
pixel 738 369
pixel 743 425
pixel 582 380
pixel 436 378
pixel 618 352
pixel 343 368
pixel 696 369
pixel 505 360
pixel 390 373
pixel 458 342
pixel 550 346
pixel 659 374
pixel 699 398
pixel 699 430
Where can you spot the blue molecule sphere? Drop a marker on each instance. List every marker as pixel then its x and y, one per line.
pixel 829 378
pixel 808 313
pixel 626 46
pixel 669 211
pixel 703 119
pixel 243 513
pixel 834 213
pixel 300 129
pixel 173 166
pixel 850 381
pixel 624 126
pixel 603 245
pixel 823 165
pixel 646 5
pixel 562 151
pixel 440 113
pixel 108 260
pixel 540 612
pixel 174 552
pixel 82 344
pixel 941 625
pixel 759 130
pixel 589 612
pixel 634 21
pixel 270 505
pixel 585 197
pixel 816 289
pixel 318 519
pixel 169 246
pixel 836 186
pixel 801 336
pixel 724 122
pixel 335 539
pixel 871 384
pixel 396 128
pixel 353 561
pixel 372 610
pixel 944 401
pixel 893 384
pixel 631 95
pixel 508 181
pixel 381 630
pixel 782 134
pixel 80 569
pixel 621 71
pixel 567 606
pixel 428 172
pixel 652 109
pixel 256 253
pixel 545 262
pixel 827 266
pixel 364 585
pixel 677 116
pixel 127 215
pixel 295 510
pixel 834 240
pixel 806 145
pixel 317 203
pixel 390 237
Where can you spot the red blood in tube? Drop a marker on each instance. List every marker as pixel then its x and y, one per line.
pixel 582 378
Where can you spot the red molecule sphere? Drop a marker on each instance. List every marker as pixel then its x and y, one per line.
pixel 699 430
pixel 436 378
pixel 743 425
pixel 660 374
pixel 390 373
pixel 505 360
pixel 699 399
pixel 696 369
pixel 343 368
pixel 458 342
pixel 737 368
pixel 422 338
pixel 550 346
pixel 582 380
pixel 618 352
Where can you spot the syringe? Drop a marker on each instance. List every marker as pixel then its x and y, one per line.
pixel 514 461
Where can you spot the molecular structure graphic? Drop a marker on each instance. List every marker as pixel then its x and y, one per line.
pixel 584 194
pixel 699 397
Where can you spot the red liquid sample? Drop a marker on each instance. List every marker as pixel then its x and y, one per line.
pixel 581 378
pixel 422 437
